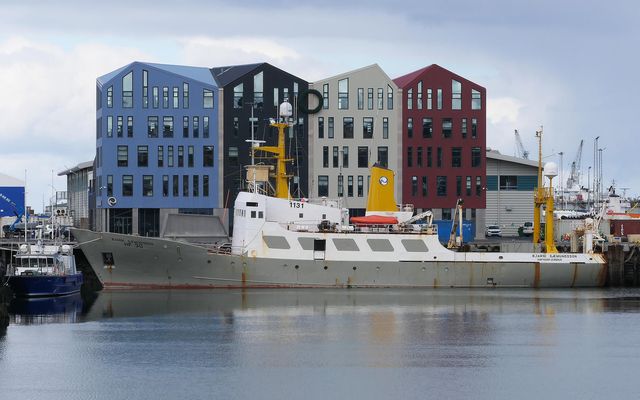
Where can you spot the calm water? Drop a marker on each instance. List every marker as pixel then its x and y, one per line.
pixel 324 344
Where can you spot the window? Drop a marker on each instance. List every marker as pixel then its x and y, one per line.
pixel 419 156
pixel 330 128
pixel 127 185
pixel 185 127
pixel 410 127
pixel 439 157
pixel 340 186
pixel 447 127
pixel 185 95
pixel 441 186
pixel 205 127
pixel 323 186
pixel 185 185
pixel 123 156
pixel 176 186
pixel 165 185
pixel 414 186
pixel 410 99
pixel 370 99
pixel 130 126
pixel 463 128
pixel 325 96
pixel 474 128
pixel 345 156
pixel 160 156
pixel 236 126
pixel 190 156
pixel 207 156
pixel 446 214
pixel 175 97
pixel 109 126
pixel 127 90
pixel 419 102
pixel 147 185
pixel 380 98
pixel 170 156
pixel 347 127
pixel 119 126
pixel 325 157
pixel 196 127
pixel 383 156
pixel 427 127
pixel 167 126
pixel 335 157
pixel 320 127
pixel 468 186
pixel 478 186
pixel 456 95
pixel 389 97
pixel 360 186
pixel 152 127
pixel 180 156
pixel 508 182
pixel 350 186
pixel 258 92
pixel 367 127
pixel 238 94
pixel 458 186
pixel 205 185
pixel 439 99
pixel 343 94
pixel 429 163
pixel 475 157
pixel 143 156
pixel 429 99
pixel 360 98
pixel 165 97
pixel 207 98
pixel 363 157
pixel 409 156
pixel 109 185
pixel 156 97
pixel 385 128
pixel 110 97
pixel 456 157
pixel 424 186
pixel 196 185
pixel 476 100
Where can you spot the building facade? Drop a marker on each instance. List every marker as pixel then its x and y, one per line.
pixel 443 140
pixel 156 147
pixel 78 189
pixel 511 183
pixel 357 126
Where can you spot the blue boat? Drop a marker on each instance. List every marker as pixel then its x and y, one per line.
pixel 44 270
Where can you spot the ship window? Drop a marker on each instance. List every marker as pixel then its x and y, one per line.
pixel 260 214
pixel 414 245
pixel 301 215
pixel 319 244
pixel 276 242
pixel 380 244
pixel 306 243
pixel 252 204
pixel 345 245
pixel 253 214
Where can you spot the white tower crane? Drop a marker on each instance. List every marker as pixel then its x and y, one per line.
pixel 521 150
pixel 574 177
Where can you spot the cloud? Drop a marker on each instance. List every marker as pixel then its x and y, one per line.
pixel 503 110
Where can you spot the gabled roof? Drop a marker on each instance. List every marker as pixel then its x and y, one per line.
pixel 496 155
pixel 199 74
pixel 226 75
pixel 408 79
pixel 81 166
pixel 355 71
pixel 9 181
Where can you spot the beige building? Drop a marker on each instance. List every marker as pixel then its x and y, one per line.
pixel 358 126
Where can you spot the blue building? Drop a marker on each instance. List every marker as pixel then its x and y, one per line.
pixel 157 146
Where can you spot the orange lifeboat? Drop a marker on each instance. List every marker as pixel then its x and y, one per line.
pixel 374 220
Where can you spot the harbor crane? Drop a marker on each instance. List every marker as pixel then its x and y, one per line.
pixel 574 177
pixel 520 147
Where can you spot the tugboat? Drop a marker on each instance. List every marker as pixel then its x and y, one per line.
pixel 40 270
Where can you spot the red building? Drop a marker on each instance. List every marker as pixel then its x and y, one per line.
pixel 443 140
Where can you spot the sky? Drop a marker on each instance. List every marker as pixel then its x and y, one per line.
pixel 570 66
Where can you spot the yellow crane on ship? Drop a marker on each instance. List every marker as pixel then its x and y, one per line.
pixel 543 196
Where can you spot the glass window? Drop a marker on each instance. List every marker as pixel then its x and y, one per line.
pixel 427 127
pixel 123 156
pixel 335 157
pixel 410 127
pixel 109 185
pixel 424 186
pixel 507 182
pixel 367 127
pixel 176 93
pixel 325 96
pixel 180 156
pixel 205 185
pixel 185 126
pixel 110 97
pixel 478 186
pixel 475 157
pixel 147 185
pixel 347 127
pixel 345 156
pixel 441 185
pixel 439 99
pixel 170 156
pixel 145 89
pixel 330 128
pixel 429 152
pixel 190 156
pixel 207 156
pixel 456 95
pixel 205 127
pixel 456 157
pixel 196 127
pixel 185 95
pixel 363 157
pixel 410 99
pixel 320 127
pixel 383 156
pixel 409 156
pixel 419 156
pixel 385 128
pixel 476 100
pixel 165 185
pixel 276 97
pixel 343 94
pixel 380 98
pixel 340 186
pixel 439 156
pixel 323 186
pixel 360 186
pixel 419 102
pixel 325 156
pixel 185 185
pixel 370 99
pixel 258 91
pixel 474 128
pixel 447 127
pixel 350 186
pixel 160 156
pixel 152 127
pixel 119 126
pixel 143 156
pixel 238 94
pixel 414 186
pixel 127 185
pixel 176 185
pixel 429 99
pixel 207 98
pixel 167 126
pixel 389 97
pixel 165 97
pixel 468 186
pixel 196 185
pixel 109 126
pixel 236 126
pixel 463 128
pixel 360 98
pixel 156 97
pixel 130 126
pixel 127 90
pixel 458 186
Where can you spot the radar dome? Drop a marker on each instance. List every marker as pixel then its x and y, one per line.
pixel 550 169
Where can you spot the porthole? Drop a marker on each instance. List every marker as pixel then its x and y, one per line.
pixel 500 257
pixel 297 267
pixel 354 267
pixel 326 268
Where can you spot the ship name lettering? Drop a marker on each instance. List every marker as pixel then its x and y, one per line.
pixel 133 243
pixel 296 204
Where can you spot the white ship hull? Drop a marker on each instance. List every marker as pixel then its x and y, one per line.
pixel 147 263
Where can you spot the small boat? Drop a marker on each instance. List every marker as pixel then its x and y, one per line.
pixel 40 270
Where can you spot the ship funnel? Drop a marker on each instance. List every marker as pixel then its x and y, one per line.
pixel 381 196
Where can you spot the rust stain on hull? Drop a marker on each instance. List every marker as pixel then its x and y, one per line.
pixel 603 273
pixel 536 275
pixel 575 274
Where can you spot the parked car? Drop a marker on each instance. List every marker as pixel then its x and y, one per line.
pixel 526 229
pixel 493 230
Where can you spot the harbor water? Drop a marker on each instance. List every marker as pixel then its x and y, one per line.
pixel 324 344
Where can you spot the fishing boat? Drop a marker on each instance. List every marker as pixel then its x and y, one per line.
pixel 41 270
pixel 283 242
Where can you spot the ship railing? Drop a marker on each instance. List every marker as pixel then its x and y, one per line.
pixel 406 207
pixel 379 228
pixel 225 248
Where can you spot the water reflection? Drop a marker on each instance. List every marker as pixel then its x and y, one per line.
pixel 45 310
